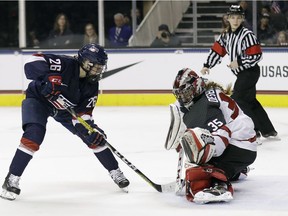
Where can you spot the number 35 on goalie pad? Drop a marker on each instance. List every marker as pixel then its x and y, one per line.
pixel 176 128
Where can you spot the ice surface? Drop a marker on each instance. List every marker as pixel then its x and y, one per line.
pixel 65 178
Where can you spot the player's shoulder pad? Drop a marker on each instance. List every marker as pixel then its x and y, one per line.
pixel 53 59
pixel 212 97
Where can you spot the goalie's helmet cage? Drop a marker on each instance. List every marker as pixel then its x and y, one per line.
pixel 187 86
pixel 91 55
pixel 235 9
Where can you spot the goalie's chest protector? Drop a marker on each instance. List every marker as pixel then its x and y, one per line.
pixel 204 112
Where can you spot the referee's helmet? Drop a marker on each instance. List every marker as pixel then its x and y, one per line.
pixel 235 9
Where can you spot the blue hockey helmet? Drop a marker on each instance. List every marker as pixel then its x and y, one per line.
pixel 187 86
pixel 93 60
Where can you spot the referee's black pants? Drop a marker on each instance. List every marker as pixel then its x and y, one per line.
pixel 244 94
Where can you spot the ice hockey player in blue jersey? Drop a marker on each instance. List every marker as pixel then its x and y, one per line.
pixel 59 80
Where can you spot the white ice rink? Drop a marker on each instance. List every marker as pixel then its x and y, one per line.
pixel 65 178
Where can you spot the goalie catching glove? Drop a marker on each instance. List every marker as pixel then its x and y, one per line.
pixel 92 139
pixel 198 145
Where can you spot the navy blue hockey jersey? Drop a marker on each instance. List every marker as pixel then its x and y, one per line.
pixel 77 90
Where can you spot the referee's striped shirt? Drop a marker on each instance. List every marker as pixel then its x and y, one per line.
pixel 241 45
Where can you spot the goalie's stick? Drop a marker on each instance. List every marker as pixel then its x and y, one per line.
pixel 160 188
pixel 180 183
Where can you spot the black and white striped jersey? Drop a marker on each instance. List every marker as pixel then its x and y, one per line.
pixel 241 45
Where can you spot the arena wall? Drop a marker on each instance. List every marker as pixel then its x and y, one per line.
pixel 139 77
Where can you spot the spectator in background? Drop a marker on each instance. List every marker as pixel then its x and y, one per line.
pixel 138 16
pixel 265 32
pixel 164 38
pixel 265 9
pixel 127 19
pixel 33 40
pixel 281 39
pixel 278 18
pixel 60 35
pixel 278 13
pixel 120 33
pixel 90 35
pixel 247 14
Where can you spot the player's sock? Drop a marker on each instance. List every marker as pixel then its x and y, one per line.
pixel 19 162
pixel 107 159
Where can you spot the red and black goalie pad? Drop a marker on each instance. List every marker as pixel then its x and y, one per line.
pixel 200 177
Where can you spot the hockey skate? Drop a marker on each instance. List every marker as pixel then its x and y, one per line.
pixel 119 178
pixel 242 175
pixel 10 187
pixel 218 193
pixel 272 135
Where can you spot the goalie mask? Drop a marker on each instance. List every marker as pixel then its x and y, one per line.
pixel 93 60
pixel 187 86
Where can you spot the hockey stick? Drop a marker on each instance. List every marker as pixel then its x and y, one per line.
pixel 160 188
pixel 180 183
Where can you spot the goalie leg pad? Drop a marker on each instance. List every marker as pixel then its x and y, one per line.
pixel 201 177
pixel 198 145
pixel 197 179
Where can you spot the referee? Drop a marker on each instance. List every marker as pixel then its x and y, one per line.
pixel 244 53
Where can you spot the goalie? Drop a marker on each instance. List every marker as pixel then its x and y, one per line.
pixel 218 139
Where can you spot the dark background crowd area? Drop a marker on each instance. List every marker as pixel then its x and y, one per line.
pixel 272 19
pixel 40 18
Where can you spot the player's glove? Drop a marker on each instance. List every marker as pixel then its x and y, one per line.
pixel 62 103
pixel 52 87
pixel 97 138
